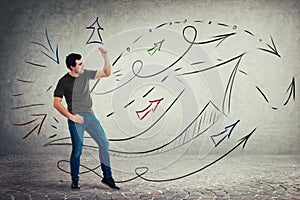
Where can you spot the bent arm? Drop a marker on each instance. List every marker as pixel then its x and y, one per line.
pixel 61 108
pixel 106 71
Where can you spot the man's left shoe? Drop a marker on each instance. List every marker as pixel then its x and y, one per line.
pixel 110 183
pixel 75 184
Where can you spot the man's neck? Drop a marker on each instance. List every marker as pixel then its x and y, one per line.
pixel 74 74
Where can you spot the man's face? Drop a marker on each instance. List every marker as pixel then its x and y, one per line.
pixel 79 66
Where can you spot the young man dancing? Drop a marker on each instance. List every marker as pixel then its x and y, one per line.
pixel 74 86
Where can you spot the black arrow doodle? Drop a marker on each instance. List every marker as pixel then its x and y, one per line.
pixel 220 38
pixel 35 64
pixel 241 141
pixel 273 48
pixel 223 37
pixel 292 90
pixel 213 66
pixel 95 26
pixel 261 92
pixel 39 125
pixel 228 92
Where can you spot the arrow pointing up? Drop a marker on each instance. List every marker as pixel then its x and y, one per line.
pixel 152 107
pixel 39 125
pixel 157 46
pixel 95 26
pixel 292 90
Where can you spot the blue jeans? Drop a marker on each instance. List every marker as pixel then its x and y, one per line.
pixel 93 127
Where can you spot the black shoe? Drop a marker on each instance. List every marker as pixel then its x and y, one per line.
pixel 75 185
pixel 110 183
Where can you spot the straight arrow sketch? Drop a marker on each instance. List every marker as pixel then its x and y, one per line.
pixel 151 107
pixel 292 91
pixel 55 58
pixel 157 47
pixel 273 48
pixel 37 126
pixel 228 130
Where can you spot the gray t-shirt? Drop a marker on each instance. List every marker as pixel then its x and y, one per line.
pixel 76 91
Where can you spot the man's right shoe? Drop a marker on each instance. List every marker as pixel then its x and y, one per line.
pixel 75 184
pixel 110 183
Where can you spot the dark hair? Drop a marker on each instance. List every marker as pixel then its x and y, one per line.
pixel 71 60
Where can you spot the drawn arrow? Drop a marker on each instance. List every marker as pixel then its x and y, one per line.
pixel 273 48
pixel 95 26
pixel 148 109
pixel 56 58
pixel 222 38
pixel 243 141
pixel 292 89
pixel 227 128
pixel 156 47
pixel 39 125
pixel 216 38
pixel 140 171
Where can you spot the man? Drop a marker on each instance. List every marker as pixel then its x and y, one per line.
pixel 74 86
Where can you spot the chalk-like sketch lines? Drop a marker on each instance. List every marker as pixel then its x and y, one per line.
pixel 289 94
pixel 153 46
pixel 53 57
pixel 156 47
pixel 141 114
pixel 95 39
pixel 243 141
pixel 155 122
pixel 273 48
pixel 38 125
pixel 141 171
pixel 226 133
pixel 203 121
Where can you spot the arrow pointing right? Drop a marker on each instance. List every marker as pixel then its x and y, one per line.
pixel 241 141
pixel 156 47
pixel 227 129
pixel 148 109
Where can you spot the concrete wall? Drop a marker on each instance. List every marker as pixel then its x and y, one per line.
pixel 260 96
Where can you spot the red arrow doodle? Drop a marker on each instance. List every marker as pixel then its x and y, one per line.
pixel 143 113
pixel 39 125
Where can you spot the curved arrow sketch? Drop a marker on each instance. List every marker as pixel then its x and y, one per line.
pixel 242 141
pixel 202 122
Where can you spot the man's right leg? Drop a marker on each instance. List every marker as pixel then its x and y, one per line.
pixel 76 132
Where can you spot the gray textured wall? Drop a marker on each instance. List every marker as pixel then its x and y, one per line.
pixel 23 22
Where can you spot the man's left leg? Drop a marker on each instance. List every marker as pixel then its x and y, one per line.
pixel 96 131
